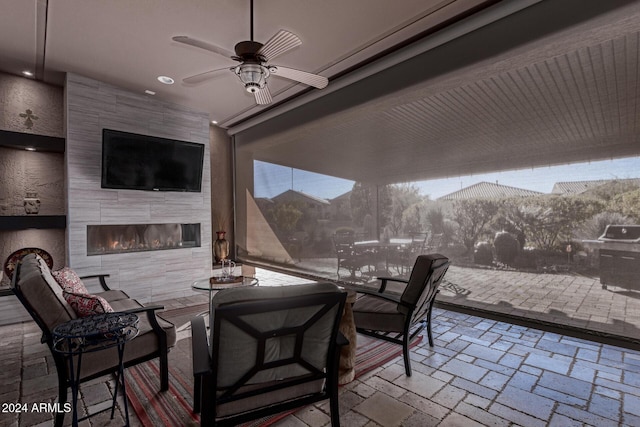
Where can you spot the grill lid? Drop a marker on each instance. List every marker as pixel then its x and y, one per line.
pixel 621 233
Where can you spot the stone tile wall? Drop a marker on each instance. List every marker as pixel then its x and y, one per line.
pixel 92 106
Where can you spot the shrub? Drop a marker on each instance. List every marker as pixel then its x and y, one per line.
pixel 483 253
pixel 506 246
pixel 594 227
pixel 526 259
pixel 473 216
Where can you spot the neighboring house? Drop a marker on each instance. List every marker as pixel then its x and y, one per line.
pixel 578 187
pixel 489 190
pixel 341 206
pixel 304 201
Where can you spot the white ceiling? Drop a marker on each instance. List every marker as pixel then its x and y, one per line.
pixel 554 81
pixel 128 43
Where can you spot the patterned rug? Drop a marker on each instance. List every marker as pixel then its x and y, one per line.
pixel 174 407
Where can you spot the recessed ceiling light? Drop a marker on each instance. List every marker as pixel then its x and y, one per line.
pixel 166 80
pixel 214 122
pixel 30 148
pixel 149 92
pixel 27 73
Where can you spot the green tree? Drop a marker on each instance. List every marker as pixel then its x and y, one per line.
pixel 435 220
pixel 511 218
pixel 473 216
pixel 363 202
pixel 628 204
pixel 594 227
pixel 550 221
pixel 412 218
pixel 286 217
pixel 402 197
pixel 610 190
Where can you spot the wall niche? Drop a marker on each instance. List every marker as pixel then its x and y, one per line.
pixel 31 117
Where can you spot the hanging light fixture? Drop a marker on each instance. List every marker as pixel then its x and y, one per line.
pixel 254 76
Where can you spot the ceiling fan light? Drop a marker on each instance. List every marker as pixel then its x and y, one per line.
pixel 252 87
pixel 254 76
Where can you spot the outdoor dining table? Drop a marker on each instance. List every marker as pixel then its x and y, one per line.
pixel 381 251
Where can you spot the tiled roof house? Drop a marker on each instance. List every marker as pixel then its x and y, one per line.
pixel 577 187
pixel 489 190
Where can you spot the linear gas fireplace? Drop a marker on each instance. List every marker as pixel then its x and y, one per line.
pixel 116 239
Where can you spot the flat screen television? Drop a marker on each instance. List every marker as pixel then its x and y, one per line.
pixel 139 162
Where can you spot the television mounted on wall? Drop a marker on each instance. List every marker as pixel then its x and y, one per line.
pixel 140 162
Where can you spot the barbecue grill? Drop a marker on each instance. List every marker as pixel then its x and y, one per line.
pixel 620 256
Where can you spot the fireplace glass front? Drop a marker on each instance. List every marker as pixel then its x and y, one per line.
pixel 115 239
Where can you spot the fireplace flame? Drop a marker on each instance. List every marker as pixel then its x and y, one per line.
pixel 105 239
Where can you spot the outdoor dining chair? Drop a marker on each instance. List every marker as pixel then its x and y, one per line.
pixel 399 318
pixel 347 255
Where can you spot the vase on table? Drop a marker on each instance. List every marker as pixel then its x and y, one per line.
pixel 220 247
pixel 31 203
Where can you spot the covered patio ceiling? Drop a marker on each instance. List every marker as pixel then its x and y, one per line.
pixel 557 82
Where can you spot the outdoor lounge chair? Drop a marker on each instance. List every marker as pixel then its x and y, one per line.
pixel 41 295
pixel 271 349
pixel 399 318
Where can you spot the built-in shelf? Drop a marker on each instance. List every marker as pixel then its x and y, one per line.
pixel 23 222
pixel 22 141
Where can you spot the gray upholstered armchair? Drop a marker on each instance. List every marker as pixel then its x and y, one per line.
pixel 38 291
pixel 271 349
pixel 399 318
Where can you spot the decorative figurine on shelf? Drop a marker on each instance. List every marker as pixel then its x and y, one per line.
pixel 31 203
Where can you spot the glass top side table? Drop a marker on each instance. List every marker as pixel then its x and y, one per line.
pixel 217 284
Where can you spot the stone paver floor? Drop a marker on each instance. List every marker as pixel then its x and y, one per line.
pixel 562 298
pixel 479 373
pixel 565 299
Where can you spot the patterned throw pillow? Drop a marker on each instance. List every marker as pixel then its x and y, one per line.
pixel 69 281
pixel 87 305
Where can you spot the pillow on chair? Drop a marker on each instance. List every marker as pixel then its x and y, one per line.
pixel 87 305
pixel 69 281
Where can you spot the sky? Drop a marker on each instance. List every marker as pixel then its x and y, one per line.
pixel 271 180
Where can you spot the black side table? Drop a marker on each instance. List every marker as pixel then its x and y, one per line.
pixel 90 334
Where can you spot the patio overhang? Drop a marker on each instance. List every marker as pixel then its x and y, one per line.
pixel 505 96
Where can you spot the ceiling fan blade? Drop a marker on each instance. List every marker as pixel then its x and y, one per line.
pixel 280 43
pixel 199 78
pixel 263 96
pixel 314 80
pixel 203 45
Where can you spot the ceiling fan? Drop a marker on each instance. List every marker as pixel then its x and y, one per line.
pixel 254 68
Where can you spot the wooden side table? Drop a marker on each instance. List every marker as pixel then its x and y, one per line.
pixel 347 371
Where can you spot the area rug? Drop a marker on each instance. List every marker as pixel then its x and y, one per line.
pixel 182 316
pixel 173 407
